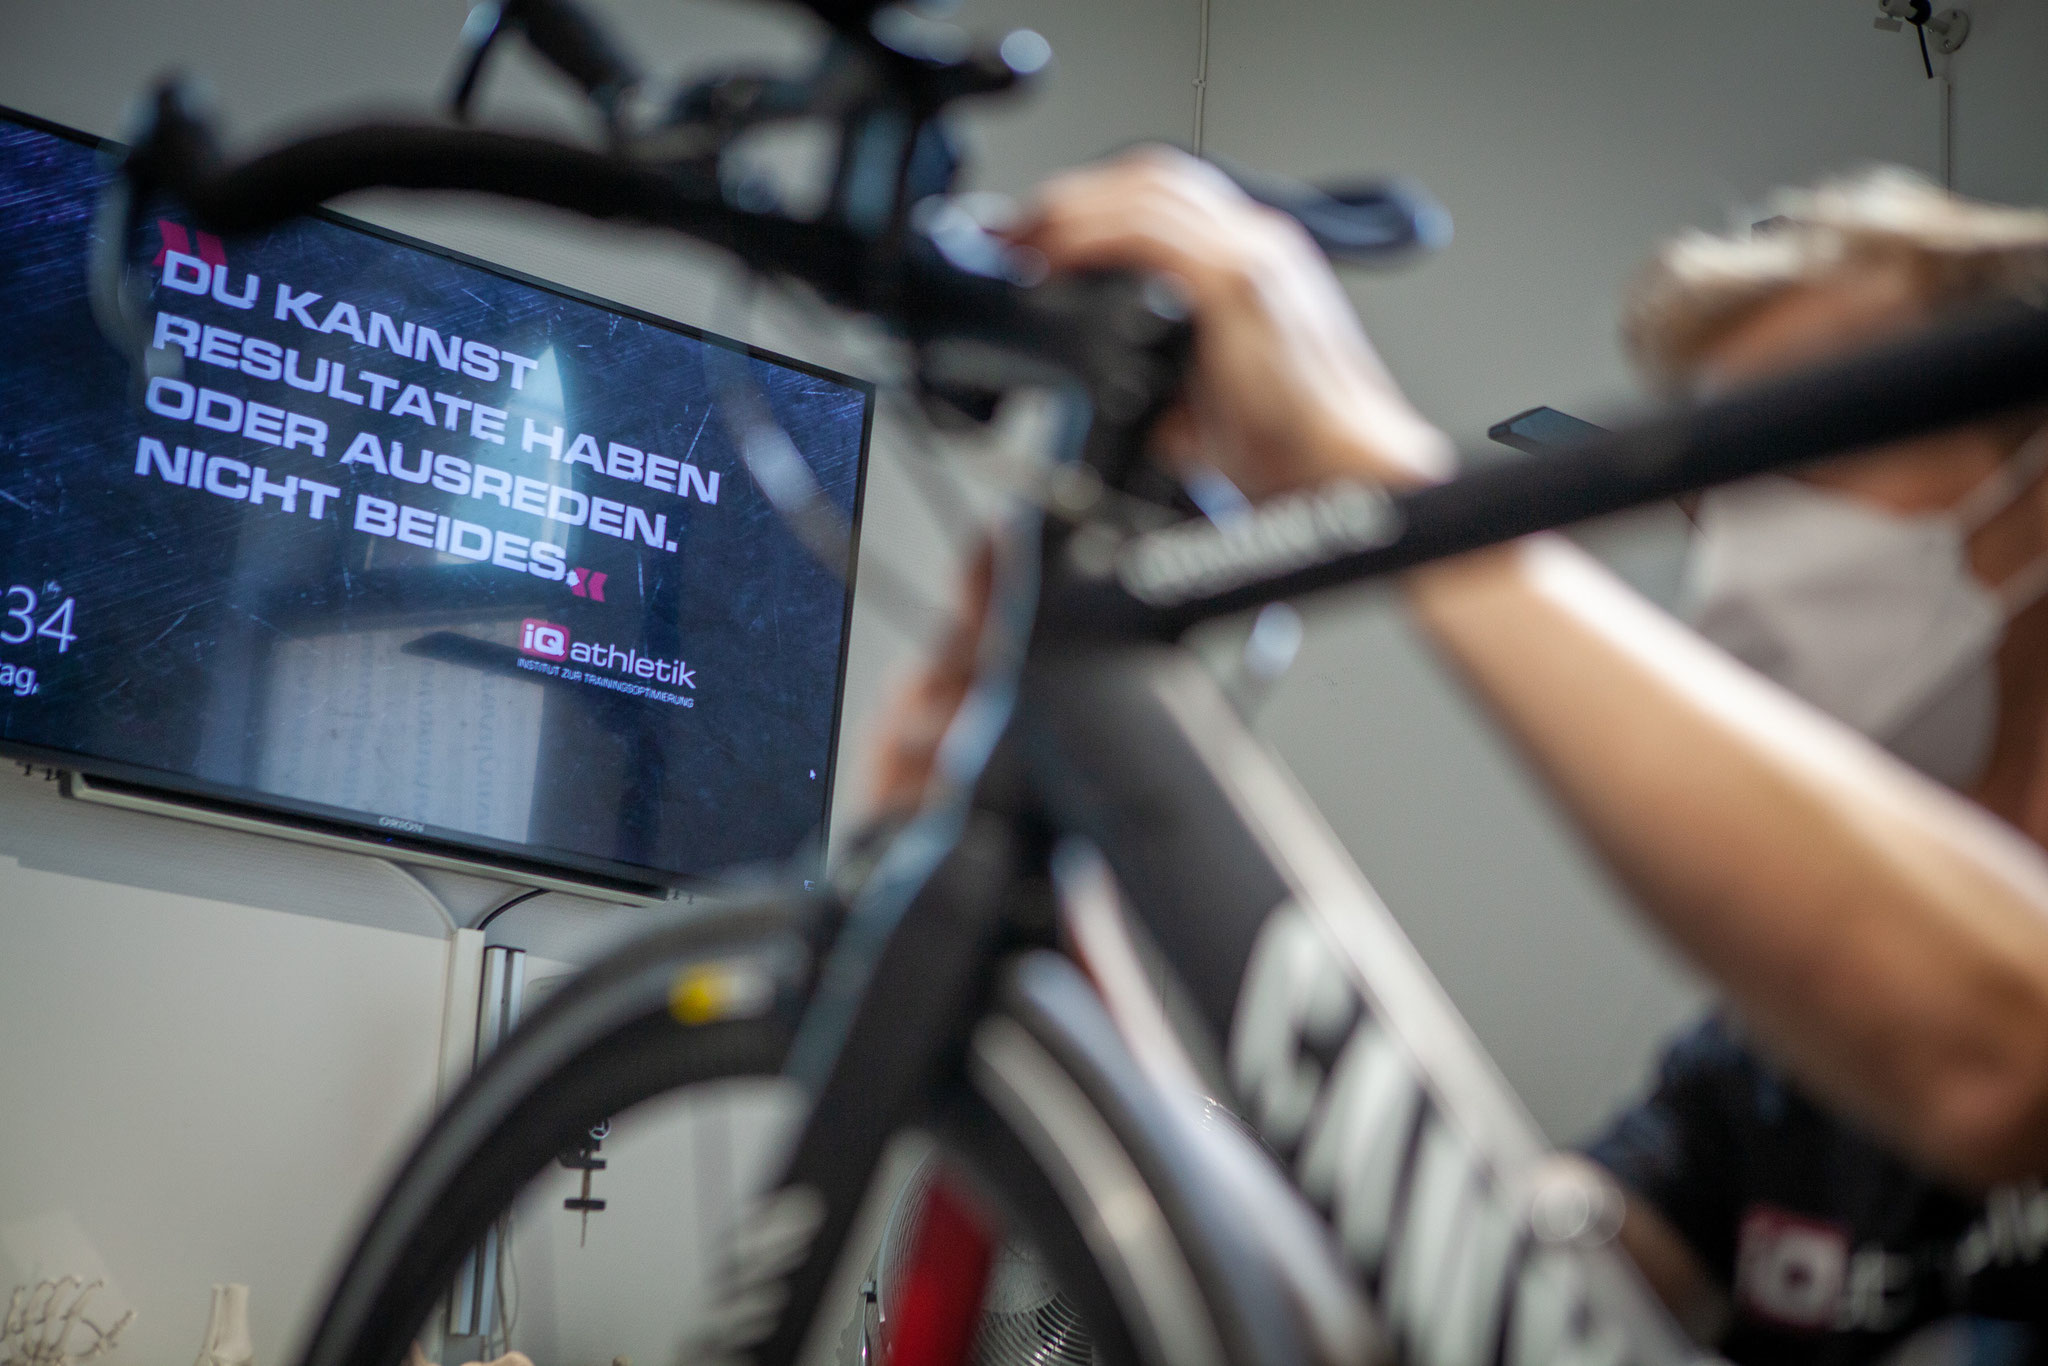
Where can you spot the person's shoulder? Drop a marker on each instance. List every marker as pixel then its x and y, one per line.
pixel 1713 1045
pixel 1714 1059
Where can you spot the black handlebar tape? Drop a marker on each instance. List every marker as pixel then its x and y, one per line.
pixel 560 31
pixel 851 17
pixel 1100 328
pixel 298 178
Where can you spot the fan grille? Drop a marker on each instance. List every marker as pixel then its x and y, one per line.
pixel 1025 1320
pixel 1049 1335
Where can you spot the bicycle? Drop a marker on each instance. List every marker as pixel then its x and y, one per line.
pixel 1105 806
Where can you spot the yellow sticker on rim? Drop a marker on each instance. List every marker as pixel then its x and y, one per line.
pixel 706 993
pixel 700 995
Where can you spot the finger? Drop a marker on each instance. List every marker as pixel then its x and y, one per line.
pixel 962 644
pixel 1177 438
pixel 1153 169
pixel 1092 205
pixel 1145 213
pixel 1215 257
pixel 1115 175
pixel 915 721
pixel 912 726
pixel 1162 248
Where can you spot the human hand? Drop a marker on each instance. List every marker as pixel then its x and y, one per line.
pixel 907 743
pixel 1287 390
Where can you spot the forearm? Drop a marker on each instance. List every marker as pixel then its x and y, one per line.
pixel 1700 1306
pixel 1884 939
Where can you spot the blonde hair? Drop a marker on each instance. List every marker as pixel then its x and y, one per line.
pixel 1955 251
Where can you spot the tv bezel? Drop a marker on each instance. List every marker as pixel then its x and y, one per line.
pixel 113 782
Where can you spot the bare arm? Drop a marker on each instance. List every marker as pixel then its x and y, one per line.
pixel 1880 936
pixel 1885 940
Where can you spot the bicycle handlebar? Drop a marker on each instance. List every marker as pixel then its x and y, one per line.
pixel 946 282
pixel 1111 331
pixel 178 159
pixel 1122 337
pixel 1160 583
pixel 574 43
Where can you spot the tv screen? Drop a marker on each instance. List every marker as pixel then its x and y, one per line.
pixel 408 547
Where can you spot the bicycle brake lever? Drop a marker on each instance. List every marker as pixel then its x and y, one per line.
pixel 480 33
pixel 577 47
pixel 567 38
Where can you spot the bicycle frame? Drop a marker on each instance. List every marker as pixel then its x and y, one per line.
pixel 1477 1242
pixel 1159 583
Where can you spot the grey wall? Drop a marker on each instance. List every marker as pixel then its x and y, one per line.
pixel 196 1111
pixel 1567 139
pixel 198 1085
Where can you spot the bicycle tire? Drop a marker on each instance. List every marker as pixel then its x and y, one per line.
pixel 1201 1267
pixel 608 1041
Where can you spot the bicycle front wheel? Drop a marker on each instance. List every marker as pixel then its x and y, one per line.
pixel 714 1000
pixel 1057 1135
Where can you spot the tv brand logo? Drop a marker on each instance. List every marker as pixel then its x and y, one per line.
pixel 544 640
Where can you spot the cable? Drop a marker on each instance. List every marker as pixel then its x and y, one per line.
pixel 505 906
pixel 1948 125
pixel 1201 80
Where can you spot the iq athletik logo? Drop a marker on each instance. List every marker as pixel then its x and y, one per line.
pixel 544 640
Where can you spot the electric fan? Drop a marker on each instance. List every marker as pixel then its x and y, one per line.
pixel 1025 1320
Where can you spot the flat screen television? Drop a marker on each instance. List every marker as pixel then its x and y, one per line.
pixel 412 549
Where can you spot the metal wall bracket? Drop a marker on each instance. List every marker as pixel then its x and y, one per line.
pixel 1948 30
pixel 1945 31
pixel 473 1300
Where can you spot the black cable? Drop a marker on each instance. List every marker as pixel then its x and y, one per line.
pixel 1920 27
pixel 505 906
